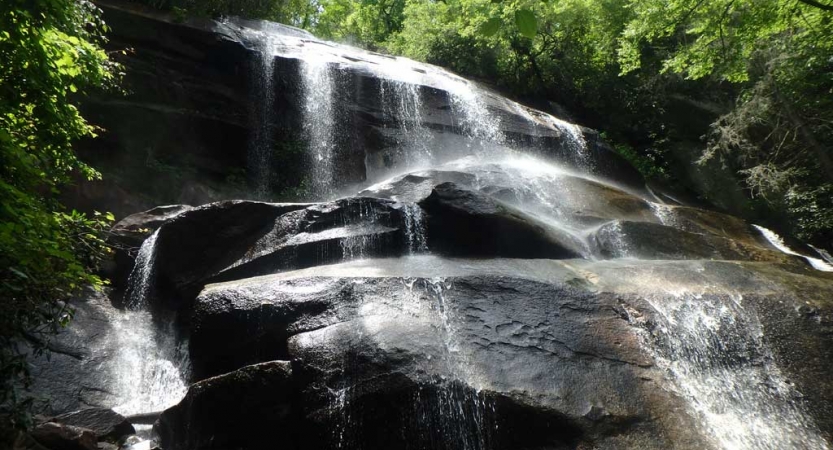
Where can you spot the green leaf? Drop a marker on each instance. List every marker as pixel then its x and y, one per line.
pixel 491 26
pixel 526 22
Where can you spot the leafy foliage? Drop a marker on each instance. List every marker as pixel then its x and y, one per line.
pixel 50 52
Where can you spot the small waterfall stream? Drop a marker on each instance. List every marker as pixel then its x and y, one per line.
pixel 150 371
pixel 319 125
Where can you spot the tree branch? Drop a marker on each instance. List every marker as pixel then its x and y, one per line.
pixel 817 4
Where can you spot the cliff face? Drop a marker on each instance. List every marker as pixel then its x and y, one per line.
pixel 178 132
pixel 209 114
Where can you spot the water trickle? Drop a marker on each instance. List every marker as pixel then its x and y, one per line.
pixel 665 214
pixel 140 281
pixel 319 124
pixel 457 408
pixel 712 348
pixel 414 228
pixel 778 242
pixel 259 160
pixel 402 108
pixel 469 106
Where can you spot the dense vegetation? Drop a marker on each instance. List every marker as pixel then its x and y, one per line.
pixel 49 55
pixel 747 83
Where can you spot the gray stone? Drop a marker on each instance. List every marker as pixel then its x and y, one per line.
pixel 55 436
pixel 105 423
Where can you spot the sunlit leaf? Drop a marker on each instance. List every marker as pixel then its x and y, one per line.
pixel 491 26
pixel 526 22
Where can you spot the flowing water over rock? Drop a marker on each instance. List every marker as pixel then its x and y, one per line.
pixel 478 275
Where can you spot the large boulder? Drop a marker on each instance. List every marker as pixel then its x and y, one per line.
pixel 247 408
pixel 451 352
pixel 73 373
pixel 236 239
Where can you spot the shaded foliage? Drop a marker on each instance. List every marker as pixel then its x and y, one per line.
pixel 50 52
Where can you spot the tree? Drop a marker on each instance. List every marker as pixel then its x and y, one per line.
pixel 50 54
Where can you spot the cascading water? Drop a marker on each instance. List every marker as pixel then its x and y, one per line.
pixel 778 242
pixel 712 348
pixel 402 106
pixel 149 372
pixel 414 228
pixel 260 142
pixel 140 282
pixel 319 125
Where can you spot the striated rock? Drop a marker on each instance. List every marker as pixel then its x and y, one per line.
pixel 105 423
pixel 247 408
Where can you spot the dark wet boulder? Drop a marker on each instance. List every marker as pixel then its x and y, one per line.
pixel 450 351
pixel 142 224
pixel 56 436
pixel 525 353
pixel 74 372
pixel 105 423
pixel 248 408
pixel 462 222
pixel 644 240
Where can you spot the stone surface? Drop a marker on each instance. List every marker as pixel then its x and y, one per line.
pixel 645 240
pixel 235 239
pixel 467 223
pixel 474 351
pixel 247 408
pixel 73 375
pixel 105 423
pixel 55 436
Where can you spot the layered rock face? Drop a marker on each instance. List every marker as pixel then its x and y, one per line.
pixel 464 272
pixel 456 308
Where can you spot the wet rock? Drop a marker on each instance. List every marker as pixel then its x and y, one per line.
pixel 127 236
pixel 646 240
pixel 105 423
pixel 231 240
pixel 72 376
pixel 467 223
pixel 55 436
pixel 143 224
pixel 507 345
pixel 248 408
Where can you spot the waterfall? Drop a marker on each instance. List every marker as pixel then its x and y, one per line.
pixel 468 103
pixel 319 124
pixel 402 106
pixel 778 242
pixel 140 281
pixel 149 372
pixel 414 228
pixel 713 350
pixel 259 159
pixel 151 367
